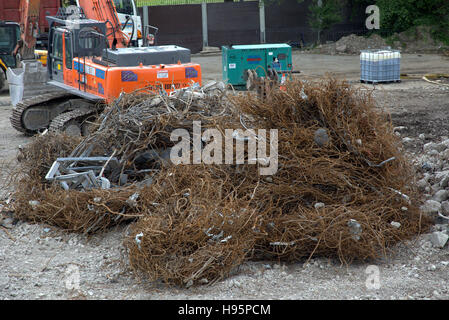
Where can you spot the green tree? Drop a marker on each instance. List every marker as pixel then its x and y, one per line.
pixel 400 15
pixel 324 14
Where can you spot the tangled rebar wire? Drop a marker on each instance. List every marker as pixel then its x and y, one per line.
pixel 193 224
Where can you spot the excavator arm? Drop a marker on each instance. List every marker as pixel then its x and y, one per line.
pixel 29 27
pixel 105 11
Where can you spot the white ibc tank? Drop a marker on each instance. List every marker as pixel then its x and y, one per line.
pixel 380 66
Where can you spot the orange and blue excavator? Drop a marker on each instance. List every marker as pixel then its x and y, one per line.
pixel 90 65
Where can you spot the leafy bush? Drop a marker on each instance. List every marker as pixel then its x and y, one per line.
pixel 401 15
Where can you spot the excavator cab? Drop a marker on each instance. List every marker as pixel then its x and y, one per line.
pixel 9 37
pixel 65 42
pixel 70 42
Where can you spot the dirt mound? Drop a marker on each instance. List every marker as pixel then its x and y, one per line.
pixel 352 44
pixel 415 40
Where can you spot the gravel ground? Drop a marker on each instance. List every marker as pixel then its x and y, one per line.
pixel 43 262
pixel 40 262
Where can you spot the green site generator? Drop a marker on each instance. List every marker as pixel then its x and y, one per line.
pixel 240 58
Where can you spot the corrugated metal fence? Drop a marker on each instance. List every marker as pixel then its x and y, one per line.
pixel 238 23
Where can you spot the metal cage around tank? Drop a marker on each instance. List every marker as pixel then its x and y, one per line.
pixel 380 66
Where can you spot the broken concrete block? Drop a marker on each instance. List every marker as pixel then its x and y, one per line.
pixel 355 228
pixel 34 204
pixel 445 207
pixel 341 48
pixel 319 205
pixel 444 181
pixel 400 128
pixel 433 146
pixel 441 195
pixel 321 137
pixel 395 224
pixel 439 239
pixel 422 184
pixel 431 206
pixel 132 200
pixel 407 140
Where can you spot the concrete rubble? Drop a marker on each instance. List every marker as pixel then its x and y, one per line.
pixel 434 165
pixel 439 239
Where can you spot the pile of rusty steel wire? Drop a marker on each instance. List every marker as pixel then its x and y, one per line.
pixel 135 130
pixel 341 181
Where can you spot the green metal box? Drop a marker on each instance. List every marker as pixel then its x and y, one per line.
pixel 239 58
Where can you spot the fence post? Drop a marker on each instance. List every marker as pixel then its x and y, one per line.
pixel 146 20
pixel 204 22
pixel 262 21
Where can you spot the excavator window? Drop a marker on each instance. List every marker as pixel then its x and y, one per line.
pixel 68 51
pixel 57 49
pixel 8 37
pixel 124 6
pixel 91 41
pixel 56 56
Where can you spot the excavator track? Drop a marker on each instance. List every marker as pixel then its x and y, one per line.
pixel 60 123
pixel 23 106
